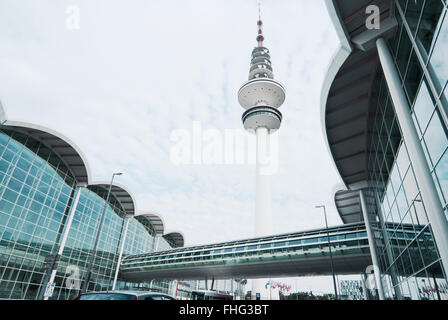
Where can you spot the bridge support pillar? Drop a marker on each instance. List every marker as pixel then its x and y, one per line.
pixel 373 253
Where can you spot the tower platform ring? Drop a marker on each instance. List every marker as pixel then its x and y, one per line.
pixel 262 116
pixel 262 91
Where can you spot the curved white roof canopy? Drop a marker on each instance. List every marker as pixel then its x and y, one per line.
pixel 345 101
pixel 122 194
pixel 346 95
pixel 175 238
pixel 154 220
pixel 63 147
pixel 348 204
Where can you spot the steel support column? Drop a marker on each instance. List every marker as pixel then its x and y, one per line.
pixel 63 242
pixel 393 271
pixel 120 256
pixel 373 252
pixel 428 191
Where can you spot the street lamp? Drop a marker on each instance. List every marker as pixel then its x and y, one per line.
pixel 93 255
pixel 331 255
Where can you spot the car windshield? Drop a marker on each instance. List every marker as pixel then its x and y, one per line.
pixel 106 296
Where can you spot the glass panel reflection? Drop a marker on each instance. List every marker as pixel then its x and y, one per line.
pixel 438 58
pixel 436 139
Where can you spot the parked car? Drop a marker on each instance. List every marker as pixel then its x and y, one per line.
pixel 124 295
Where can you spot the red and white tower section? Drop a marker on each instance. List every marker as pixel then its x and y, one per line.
pixel 261 96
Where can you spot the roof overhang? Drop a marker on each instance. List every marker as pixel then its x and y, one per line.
pixel 346 96
pixel 348 203
pixel 154 219
pixel 122 194
pixel 347 88
pixel 349 206
pixel 62 146
pixel 175 238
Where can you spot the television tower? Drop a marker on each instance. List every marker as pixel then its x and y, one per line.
pixel 261 96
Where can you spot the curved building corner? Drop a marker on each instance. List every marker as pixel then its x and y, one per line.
pixel 384 115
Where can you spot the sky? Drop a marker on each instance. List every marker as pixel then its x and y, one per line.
pixel 119 77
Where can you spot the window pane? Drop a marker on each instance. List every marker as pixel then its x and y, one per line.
pixel 413 77
pixel 403 160
pixel 438 59
pixel 413 12
pixel 420 213
pixel 410 186
pixel 424 107
pixel 442 174
pixel 390 194
pixel 395 179
pixel 435 138
pixel 402 203
pixel 404 51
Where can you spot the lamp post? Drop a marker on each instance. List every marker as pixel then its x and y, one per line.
pixel 331 255
pixel 93 255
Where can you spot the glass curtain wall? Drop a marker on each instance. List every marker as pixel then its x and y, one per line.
pixel 80 242
pixel 36 194
pixel 36 190
pixel 419 48
pixel 140 239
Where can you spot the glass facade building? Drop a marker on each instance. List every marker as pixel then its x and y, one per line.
pixel 422 28
pixel 35 191
pixel 80 242
pixel 377 135
pixel 37 195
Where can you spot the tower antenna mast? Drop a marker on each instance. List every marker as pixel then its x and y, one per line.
pixel 260 36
